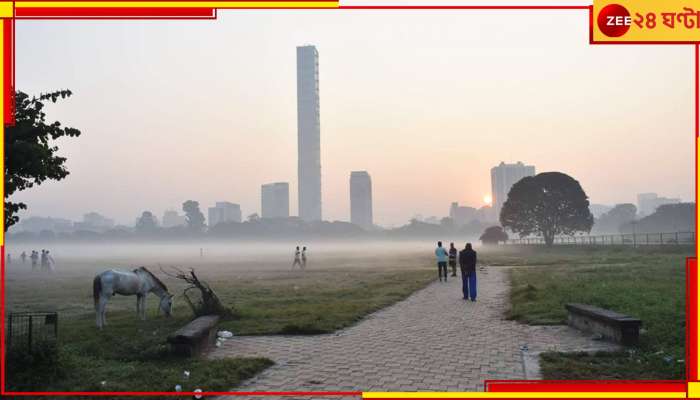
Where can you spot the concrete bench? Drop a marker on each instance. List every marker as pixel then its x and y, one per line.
pixel 195 337
pixel 610 325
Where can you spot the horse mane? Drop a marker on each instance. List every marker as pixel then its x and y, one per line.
pixel 155 278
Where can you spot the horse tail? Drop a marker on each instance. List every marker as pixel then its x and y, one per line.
pixel 96 289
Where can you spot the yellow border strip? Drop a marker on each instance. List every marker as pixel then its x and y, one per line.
pixel 523 395
pixel 176 4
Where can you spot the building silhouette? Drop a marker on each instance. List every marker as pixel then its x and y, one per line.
pixel 275 200
pixel 503 177
pixel 361 199
pixel 309 134
pixel 172 219
pixel 224 211
pixel 647 203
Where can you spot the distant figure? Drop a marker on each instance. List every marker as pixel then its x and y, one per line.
pixel 453 259
pixel 9 258
pixel 23 256
pixel 50 263
pixel 44 260
pixel 297 259
pixel 35 259
pixel 467 263
pixel 441 255
pixel 303 258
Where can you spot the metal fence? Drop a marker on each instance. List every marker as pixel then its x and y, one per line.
pixel 27 330
pixel 626 239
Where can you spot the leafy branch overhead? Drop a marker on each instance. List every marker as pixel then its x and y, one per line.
pixel 31 157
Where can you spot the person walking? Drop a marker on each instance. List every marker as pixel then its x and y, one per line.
pixel 441 255
pixel 303 258
pixel 467 265
pixel 44 260
pixel 35 259
pixel 453 259
pixel 23 256
pixel 297 259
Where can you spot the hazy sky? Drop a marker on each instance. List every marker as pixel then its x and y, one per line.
pixel 426 101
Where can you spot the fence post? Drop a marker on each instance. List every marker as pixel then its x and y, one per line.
pixel 29 333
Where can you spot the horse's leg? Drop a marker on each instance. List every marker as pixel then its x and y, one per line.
pixel 102 307
pixel 143 307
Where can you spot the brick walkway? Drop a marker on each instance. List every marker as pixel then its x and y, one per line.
pixel 433 341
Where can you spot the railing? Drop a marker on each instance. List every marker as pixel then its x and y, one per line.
pixel 27 330
pixel 627 239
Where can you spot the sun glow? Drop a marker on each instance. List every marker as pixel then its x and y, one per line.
pixel 487 199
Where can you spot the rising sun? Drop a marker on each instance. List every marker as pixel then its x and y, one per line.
pixel 487 199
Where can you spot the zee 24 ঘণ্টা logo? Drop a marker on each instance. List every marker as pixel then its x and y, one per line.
pixel 654 20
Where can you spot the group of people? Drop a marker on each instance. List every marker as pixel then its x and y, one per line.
pixel 467 265
pixel 299 258
pixel 47 262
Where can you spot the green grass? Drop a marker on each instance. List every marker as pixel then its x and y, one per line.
pixel 645 283
pixel 132 355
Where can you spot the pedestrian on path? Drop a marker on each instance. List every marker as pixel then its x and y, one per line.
pixel 441 255
pixel 297 258
pixel 467 264
pixel 453 259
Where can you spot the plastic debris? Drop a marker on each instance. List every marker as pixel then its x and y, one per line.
pixel 225 334
pixel 597 336
pixel 668 359
pixel 198 396
pixel 524 347
pixel 103 383
pixel 178 388
pixel 186 374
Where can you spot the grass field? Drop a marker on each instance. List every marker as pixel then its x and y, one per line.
pixel 647 283
pixel 337 289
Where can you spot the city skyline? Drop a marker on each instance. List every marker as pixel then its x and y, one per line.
pixel 456 93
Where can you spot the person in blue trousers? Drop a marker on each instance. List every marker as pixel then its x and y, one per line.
pixel 467 264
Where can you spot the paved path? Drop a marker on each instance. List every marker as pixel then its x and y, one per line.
pixel 433 341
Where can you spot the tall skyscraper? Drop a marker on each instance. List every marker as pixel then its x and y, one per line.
pixel 275 200
pixel 309 134
pixel 361 199
pixel 503 177
pixel 224 211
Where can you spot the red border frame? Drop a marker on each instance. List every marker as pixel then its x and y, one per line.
pixel 489 385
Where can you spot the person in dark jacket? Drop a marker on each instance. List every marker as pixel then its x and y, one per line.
pixel 467 263
pixel 453 259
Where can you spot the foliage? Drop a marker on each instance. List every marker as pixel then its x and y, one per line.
pixel 547 204
pixel 667 218
pixel 493 235
pixel 30 154
pixel 146 223
pixel 611 221
pixel 194 217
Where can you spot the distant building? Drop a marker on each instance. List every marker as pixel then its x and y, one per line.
pixel 647 203
pixel 599 209
pixel 503 177
pixel 224 211
pixel 275 200
pixel 172 219
pixel 309 134
pixel 361 199
pixel 93 221
pixel 462 215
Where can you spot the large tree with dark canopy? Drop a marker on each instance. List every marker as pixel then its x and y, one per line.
pixel 194 217
pixel 30 152
pixel 547 204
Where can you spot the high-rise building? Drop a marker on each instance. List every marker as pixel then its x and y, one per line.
pixel 647 203
pixel 361 199
pixel 275 200
pixel 309 134
pixel 462 215
pixel 172 219
pixel 503 177
pixel 224 211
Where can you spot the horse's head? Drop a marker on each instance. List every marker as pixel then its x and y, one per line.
pixel 166 304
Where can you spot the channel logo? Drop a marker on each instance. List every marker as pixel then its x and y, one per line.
pixel 614 20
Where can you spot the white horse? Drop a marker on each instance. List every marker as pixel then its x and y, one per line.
pixel 139 282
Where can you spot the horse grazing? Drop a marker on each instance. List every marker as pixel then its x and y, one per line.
pixel 138 282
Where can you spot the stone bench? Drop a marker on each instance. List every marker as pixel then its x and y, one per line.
pixel 195 337
pixel 610 325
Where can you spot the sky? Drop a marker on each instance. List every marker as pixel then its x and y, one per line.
pixel 426 101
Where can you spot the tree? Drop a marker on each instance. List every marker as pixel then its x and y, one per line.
pixel 194 217
pixel 146 223
pixel 620 215
pixel 30 154
pixel 547 204
pixel 493 235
